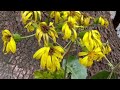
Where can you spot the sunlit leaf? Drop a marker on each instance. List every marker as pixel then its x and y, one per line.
pixel 77 70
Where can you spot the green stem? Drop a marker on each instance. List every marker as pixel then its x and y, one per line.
pixel 112 67
pixel 109 77
pixel 67 55
pixel 28 36
pixel 56 42
pixel 67 44
pixel 65 69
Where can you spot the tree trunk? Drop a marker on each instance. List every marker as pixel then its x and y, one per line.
pixel 21 65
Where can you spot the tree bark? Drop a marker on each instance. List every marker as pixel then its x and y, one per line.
pixel 21 65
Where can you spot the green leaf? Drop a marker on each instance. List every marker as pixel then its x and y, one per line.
pixel 81 34
pixel 59 74
pixel 77 70
pixel 59 26
pixel 96 20
pixel 37 75
pixel 35 25
pixel 17 37
pixel 49 75
pixel 103 75
pixel 47 20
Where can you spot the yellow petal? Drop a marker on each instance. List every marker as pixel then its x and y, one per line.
pixel 86 41
pixel 35 15
pixel 82 53
pixel 84 61
pixel 102 22
pixel 47 38
pixel 64 27
pixel 44 58
pixel 91 42
pixel 39 35
pixel 39 14
pixel 57 17
pixel 27 17
pixel 86 21
pixel 43 24
pixel 4 46
pixel 90 62
pixel 58 48
pixel 12 45
pixel 58 55
pixel 55 62
pixel 6 32
pixel 52 35
pixel 74 35
pixel 67 33
pixel 43 61
pixel 52 14
pixel 97 49
pixel 81 19
pixel 49 63
pixel 8 47
pixel 100 19
pixel 38 53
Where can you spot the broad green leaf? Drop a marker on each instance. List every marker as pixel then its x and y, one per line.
pixel 103 75
pixel 77 70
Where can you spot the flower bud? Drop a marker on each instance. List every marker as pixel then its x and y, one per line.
pixel 17 37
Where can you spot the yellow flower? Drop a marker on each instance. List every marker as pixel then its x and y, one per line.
pixel 45 31
pixel 74 14
pixel 30 15
pixel 89 56
pixel 50 57
pixel 55 15
pixel 92 39
pixel 103 21
pixel 9 43
pixel 30 27
pixel 69 29
pixel 87 21
pixel 106 48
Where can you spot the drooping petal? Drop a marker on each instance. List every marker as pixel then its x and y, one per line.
pixel 41 51
pixel 8 47
pixel 90 62
pixel 49 63
pixel 43 61
pixel 67 33
pixel 12 45
pixel 6 32
pixel 74 36
pixel 44 58
pixel 58 48
pixel 82 53
pixel 84 61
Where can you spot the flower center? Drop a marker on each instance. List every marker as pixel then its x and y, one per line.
pixel 72 13
pixel 91 54
pixel 8 38
pixel 45 29
pixel 51 51
pixel 70 25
